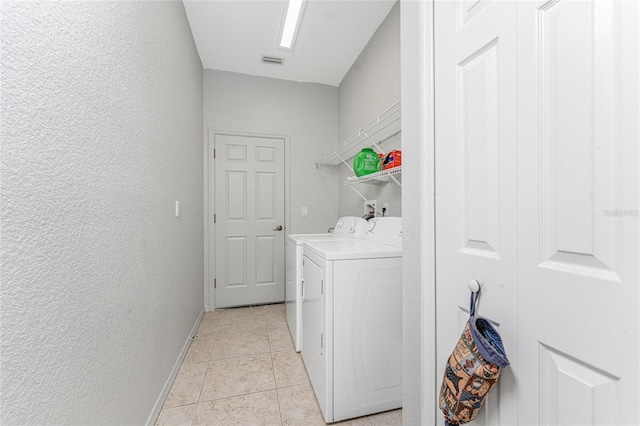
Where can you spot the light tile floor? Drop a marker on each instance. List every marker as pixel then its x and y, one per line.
pixel 242 369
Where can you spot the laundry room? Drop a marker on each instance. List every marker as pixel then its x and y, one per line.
pixel 342 91
pixel 388 212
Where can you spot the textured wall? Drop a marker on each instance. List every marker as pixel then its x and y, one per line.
pixel 101 134
pixel 371 86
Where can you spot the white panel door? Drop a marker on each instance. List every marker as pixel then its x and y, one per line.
pixel 249 206
pixel 476 177
pixel 538 197
pixel 579 233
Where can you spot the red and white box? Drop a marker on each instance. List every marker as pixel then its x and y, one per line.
pixel 392 159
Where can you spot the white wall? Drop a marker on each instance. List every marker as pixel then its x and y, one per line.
pixel 420 382
pixel 101 134
pixel 305 112
pixel 371 86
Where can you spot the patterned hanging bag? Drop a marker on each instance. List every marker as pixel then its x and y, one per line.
pixel 472 370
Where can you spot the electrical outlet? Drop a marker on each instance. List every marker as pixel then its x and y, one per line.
pixel 305 211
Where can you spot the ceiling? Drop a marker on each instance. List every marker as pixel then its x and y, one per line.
pixel 233 35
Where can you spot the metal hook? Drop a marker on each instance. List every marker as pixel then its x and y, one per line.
pixel 474 285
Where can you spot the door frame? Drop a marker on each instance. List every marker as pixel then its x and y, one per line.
pixel 421 382
pixel 209 171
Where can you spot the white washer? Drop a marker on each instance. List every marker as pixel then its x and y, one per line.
pixel 352 321
pixel 347 227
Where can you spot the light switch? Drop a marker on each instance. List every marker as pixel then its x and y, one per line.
pixel 304 211
pixel 177 208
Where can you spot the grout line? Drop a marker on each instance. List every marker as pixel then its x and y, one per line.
pixel 294 385
pixel 204 380
pixel 239 395
pixel 279 408
pixel 275 383
pixel 193 416
pixel 275 379
pixel 240 356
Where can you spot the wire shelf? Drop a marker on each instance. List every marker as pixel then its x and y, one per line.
pixel 379 178
pixel 378 130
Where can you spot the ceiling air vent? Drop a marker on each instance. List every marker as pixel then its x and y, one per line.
pixel 272 60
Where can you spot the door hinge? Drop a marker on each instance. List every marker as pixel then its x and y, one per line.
pixel 215 283
pixel 214 153
pixel 321 286
pixel 302 292
pixel 321 340
pixel 214 218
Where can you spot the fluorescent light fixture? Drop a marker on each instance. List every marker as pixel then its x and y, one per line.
pixel 291 20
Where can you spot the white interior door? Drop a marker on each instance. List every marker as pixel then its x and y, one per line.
pixel 579 233
pixel 537 195
pixel 249 209
pixel 476 178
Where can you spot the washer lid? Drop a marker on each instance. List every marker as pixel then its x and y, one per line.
pixel 351 249
pixel 384 230
pixel 300 238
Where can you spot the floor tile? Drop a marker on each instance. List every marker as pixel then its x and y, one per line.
pixel 253 409
pixel 359 421
pixel 388 418
pixel 210 324
pixel 274 307
pixel 276 320
pixel 275 314
pixel 200 350
pixel 213 315
pixel 208 329
pixel 289 369
pixel 187 385
pixel 299 407
pixel 242 369
pixel 238 376
pixel 233 342
pixel 280 338
pixel 177 416
pixel 241 317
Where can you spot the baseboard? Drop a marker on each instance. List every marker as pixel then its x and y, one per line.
pixel 153 417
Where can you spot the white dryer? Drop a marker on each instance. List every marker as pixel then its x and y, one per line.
pixel 352 321
pixel 347 227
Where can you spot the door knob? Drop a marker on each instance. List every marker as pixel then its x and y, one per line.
pixel 278 228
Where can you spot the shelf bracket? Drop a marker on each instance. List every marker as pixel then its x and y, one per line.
pixel 364 198
pixel 373 143
pixel 345 163
pixel 393 178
